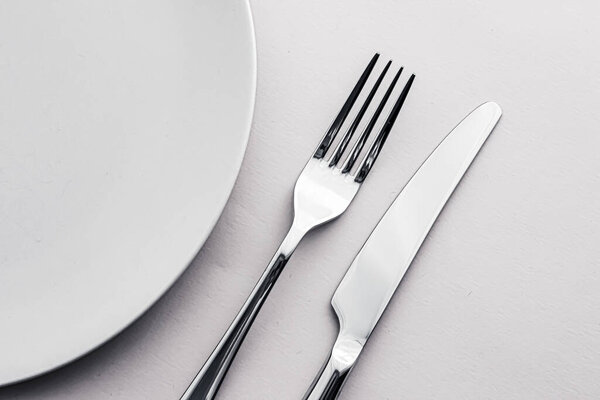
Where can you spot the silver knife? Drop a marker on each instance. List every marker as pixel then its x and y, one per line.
pixel 377 270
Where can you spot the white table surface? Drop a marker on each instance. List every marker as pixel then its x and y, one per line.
pixel 503 299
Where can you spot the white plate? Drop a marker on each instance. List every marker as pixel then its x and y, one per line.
pixel 123 124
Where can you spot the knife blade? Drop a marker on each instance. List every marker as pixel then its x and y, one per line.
pixel 377 270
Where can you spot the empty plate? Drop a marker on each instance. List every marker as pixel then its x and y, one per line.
pixel 123 124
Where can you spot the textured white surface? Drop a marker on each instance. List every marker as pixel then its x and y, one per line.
pixel 503 299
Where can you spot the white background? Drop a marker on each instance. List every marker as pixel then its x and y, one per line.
pixel 503 299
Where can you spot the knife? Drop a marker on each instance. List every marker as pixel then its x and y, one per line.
pixel 377 270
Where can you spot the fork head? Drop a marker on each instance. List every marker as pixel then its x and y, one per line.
pixel 327 184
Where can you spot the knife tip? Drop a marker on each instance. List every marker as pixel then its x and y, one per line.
pixel 492 106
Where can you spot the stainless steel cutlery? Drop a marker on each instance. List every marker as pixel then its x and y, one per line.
pixel 326 187
pixel 377 270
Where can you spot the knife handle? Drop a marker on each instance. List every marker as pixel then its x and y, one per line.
pixel 329 382
pixel 206 383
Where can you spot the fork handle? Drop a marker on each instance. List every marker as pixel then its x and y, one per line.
pixel 207 382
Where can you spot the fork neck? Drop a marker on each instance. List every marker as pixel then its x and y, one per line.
pixel 297 231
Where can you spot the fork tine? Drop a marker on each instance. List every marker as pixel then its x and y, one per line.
pixel 383 134
pixel 360 143
pixel 341 117
pixel 341 147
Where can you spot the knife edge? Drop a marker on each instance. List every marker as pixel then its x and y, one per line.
pixel 411 208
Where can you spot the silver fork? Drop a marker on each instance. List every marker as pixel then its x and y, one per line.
pixel 323 191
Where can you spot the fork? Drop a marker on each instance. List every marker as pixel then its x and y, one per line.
pixel 323 191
